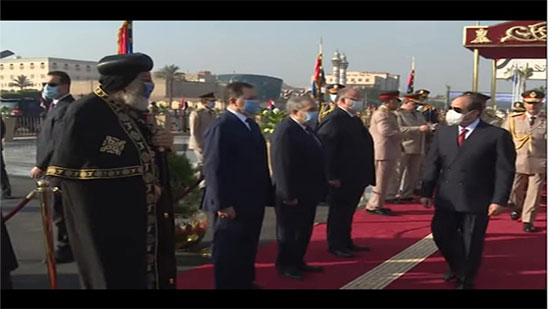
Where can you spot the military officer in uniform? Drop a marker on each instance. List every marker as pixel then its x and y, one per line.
pixel 387 150
pixel 333 93
pixel 529 132
pixel 429 112
pixel 199 120
pixel 116 196
pixel 415 128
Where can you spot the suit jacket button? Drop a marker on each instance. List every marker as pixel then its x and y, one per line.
pixel 166 215
pixel 171 280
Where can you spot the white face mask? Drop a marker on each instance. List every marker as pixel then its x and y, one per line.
pixel 333 97
pixel 419 108
pixel 453 118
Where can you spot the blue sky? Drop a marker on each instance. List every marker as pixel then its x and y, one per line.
pixel 282 49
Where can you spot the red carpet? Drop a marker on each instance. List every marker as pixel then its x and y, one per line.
pixel 513 259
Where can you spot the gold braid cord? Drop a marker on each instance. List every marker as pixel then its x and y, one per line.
pixel 521 139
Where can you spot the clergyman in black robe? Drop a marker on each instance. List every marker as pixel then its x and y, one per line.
pixel 119 222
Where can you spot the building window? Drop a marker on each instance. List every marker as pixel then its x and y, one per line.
pixel 1 76
pixel 11 66
pixel 66 66
pixel 21 66
pixel 42 76
pixel 42 65
pixel 31 66
pixel 1 67
pixel 77 78
pixel 77 67
pixel 360 80
pixel 54 65
pixel 11 76
pixel 32 75
pixel 88 68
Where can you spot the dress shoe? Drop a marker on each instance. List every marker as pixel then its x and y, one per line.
pixel 381 211
pixel 393 201
pixel 342 253
pixel 309 268
pixel 255 287
pixel 63 255
pixel 358 248
pixel 514 215
pixel 7 196
pixel 528 227
pixel 407 199
pixel 291 273
pixel 464 285
pixel 449 275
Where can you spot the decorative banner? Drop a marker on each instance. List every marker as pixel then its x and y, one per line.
pixel 538 65
pixel 511 40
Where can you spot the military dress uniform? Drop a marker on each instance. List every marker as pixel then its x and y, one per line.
pixel 199 120
pixel 413 148
pixel 529 133
pixel 120 220
pixel 327 108
pixel 387 136
pixel 429 112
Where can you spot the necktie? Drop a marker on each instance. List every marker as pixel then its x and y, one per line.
pixel 462 136
pixel 249 121
pixel 532 120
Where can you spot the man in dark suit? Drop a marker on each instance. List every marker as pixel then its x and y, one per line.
pixel 471 167
pixel 6 187
pixel 349 152
pixel 238 187
pixel 300 184
pixel 57 93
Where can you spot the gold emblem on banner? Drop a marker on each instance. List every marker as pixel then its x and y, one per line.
pixel 481 36
pixel 531 33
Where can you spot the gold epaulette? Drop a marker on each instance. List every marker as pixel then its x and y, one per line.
pixel 516 114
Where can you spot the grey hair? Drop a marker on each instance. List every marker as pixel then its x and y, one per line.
pixel 297 103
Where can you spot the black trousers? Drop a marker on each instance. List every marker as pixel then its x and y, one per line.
pixel 342 205
pixel 59 221
pixel 234 249
pixel 294 228
pixel 460 238
pixel 9 260
pixel 6 187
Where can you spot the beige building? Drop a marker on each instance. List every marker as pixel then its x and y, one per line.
pixel 36 69
pixel 381 80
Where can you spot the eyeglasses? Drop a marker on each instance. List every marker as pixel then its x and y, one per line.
pixel 49 84
pixel 457 109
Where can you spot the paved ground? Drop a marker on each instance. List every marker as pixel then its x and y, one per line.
pixel 25 227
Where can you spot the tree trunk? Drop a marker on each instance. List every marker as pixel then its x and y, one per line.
pixel 171 92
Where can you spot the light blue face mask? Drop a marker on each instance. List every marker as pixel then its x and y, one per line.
pixel 50 92
pixel 211 104
pixel 148 89
pixel 312 116
pixel 252 106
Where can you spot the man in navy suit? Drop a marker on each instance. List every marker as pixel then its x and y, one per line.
pixel 300 184
pixel 238 187
pixel 471 166
pixel 349 150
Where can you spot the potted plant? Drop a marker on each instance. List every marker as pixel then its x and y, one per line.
pixel 191 223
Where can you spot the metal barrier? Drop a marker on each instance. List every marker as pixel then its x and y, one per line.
pixel 45 196
pixel 27 126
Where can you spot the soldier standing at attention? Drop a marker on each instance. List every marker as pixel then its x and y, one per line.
pixel 528 129
pixel 199 120
pixel 387 150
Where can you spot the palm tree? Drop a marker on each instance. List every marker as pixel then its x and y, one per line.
pixel 21 81
pixel 170 74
